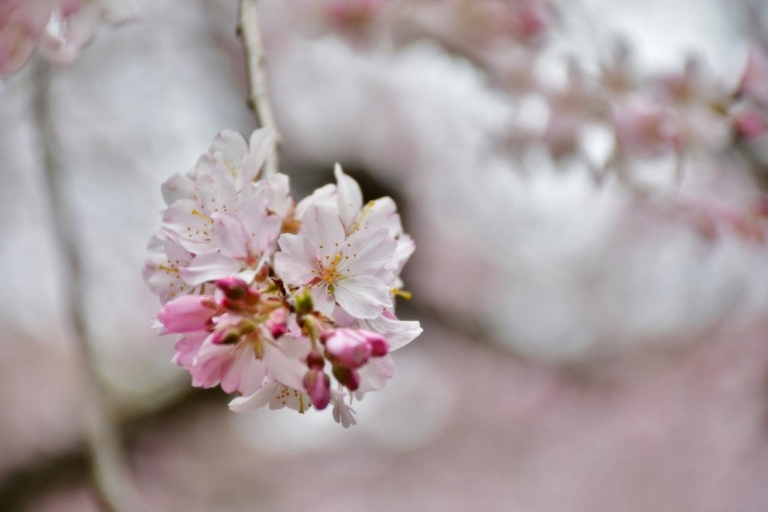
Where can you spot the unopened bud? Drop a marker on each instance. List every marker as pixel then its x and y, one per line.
pixel 379 346
pixel 347 377
pixel 237 290
pixel 278 323
pixel 315 361
pixel 318 386
pixel 348 348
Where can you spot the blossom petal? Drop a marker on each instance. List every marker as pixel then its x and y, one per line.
pixel 322 299
pixel 229 236
pixel 296 263
pixel 362 297
pixel 324 230
pixel 177 187
pixel 382 213
pixel 209 267
pixel 324 196
pixel 399 333
pixel 261 144
pixel 257 400
pixel 288 371
pixel 366 252
pixel 349 197
pixel 375 374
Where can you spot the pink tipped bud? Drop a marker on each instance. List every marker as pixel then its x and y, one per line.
pixel 347 377
pixel 237 290
pixel 379 346
pixel 315 361
pixel 188 313
pixel 278 323
pixel 318 386
pixel 348 348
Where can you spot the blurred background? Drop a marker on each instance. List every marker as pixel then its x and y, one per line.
pixel 585 184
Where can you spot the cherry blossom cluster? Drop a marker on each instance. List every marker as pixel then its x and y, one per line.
pixel 57 29
pixel 286 304
pixel 476 23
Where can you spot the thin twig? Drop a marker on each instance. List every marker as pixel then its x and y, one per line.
pixel 257 77
pixel 110 474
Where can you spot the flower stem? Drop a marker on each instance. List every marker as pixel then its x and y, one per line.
pixel 257 77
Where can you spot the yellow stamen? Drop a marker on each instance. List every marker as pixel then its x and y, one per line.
pixel 359 220
pixel 198 213
pixel 397 292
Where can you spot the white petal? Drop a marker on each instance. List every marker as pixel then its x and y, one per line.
pixel 191 228
pixel 324 196
pixel 281 195
pixel 288 371
pixel 257 400
pixel 399 333
pixel 261 144
pixel 177 187
pixel 349 197
pixel 362 297
pixel 324 230
pixel 296 261
pixel 295 347
pixel 367 252
pixel 229 236
pixel 323 301
pixel 209 267
pixel 375 374
pixel 382 214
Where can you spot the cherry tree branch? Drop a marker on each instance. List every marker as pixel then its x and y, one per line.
pixel 107 462
pixel 259 93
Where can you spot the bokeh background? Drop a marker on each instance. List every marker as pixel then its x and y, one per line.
pixel 586 347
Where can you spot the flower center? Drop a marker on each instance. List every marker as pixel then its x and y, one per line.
pixel 330 274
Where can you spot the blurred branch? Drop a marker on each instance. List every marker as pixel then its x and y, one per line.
pixel 110 474
pixel 257 77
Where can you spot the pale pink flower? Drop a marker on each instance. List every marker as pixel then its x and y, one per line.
pixel 337 268
pixel 162 269
pixel 276 396
pixel 346 200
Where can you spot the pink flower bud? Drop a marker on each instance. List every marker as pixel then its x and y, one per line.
pixel 237 290
pixel 315 361
pixel 348 348
pixel 318 386
pixel 188 313
pixel 379 345
pixel 278 323
pixel 347 377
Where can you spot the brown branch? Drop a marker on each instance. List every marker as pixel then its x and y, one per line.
pixel 110 474
pixel 257 77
